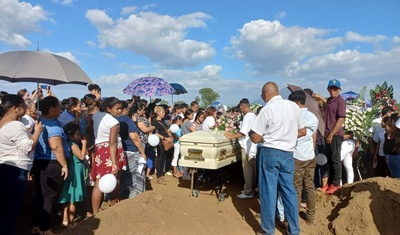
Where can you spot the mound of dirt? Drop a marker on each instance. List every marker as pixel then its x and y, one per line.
pixel 366 207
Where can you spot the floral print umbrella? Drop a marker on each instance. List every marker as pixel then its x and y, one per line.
pixel 149 86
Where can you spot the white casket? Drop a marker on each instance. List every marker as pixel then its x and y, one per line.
pixel 208 150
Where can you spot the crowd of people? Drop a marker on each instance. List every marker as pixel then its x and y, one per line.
pixel 67 146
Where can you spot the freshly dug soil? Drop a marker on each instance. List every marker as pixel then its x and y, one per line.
pixel 370 206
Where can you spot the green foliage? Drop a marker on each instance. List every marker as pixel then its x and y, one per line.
pixel 208 96
pixel 179 102
pixel 164 102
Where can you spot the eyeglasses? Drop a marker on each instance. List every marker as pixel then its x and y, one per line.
pixel 262 94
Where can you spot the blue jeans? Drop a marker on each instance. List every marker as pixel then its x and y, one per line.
pixel 276 171
pixel 394 165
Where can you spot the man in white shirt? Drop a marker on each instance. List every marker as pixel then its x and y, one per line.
pixel 278 126
pixel 304 157
pixel 249 149
pixel 194 105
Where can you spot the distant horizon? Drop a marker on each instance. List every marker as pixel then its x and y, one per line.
pixel 212 44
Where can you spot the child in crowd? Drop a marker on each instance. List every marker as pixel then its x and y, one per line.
pixel 30 115
pixel 349 145
pixel 74 188
pixel 177 146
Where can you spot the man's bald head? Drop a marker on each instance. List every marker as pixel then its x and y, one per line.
pixel 269 90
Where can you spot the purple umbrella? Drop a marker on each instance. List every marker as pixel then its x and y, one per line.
pixel 149 86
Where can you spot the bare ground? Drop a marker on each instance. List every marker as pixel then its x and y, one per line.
pixel 370 206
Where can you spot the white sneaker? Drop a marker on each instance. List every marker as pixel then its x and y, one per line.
pixel 244 196
pixel 168 173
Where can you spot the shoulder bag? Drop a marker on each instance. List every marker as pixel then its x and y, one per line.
pixel 166 143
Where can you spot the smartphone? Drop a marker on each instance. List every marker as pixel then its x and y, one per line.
pixel 44 87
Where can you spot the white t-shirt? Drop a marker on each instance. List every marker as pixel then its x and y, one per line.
pixel 194 116
pixel 397 124
pixel 304 150
pixel 15 144
pixel 208 123
pixel 102 124
pixel 376 129
pixel 278 123
pixel 245 141
pixel 28 121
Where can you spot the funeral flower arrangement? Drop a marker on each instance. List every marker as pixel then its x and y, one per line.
pixel 383 95
pixel 228 122
pixel 359 118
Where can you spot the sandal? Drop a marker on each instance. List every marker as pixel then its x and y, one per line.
pixel 177 175
pixel 161 181
pixel 303 205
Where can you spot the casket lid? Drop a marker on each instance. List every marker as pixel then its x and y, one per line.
pixel 211 136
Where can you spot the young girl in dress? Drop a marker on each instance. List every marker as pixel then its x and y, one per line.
pixel 177 146
pixel 74 188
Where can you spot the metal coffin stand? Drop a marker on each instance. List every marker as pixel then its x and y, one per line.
pixel 208 150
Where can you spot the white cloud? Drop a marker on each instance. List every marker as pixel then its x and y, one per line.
pixel 396 39
pixel 63 2
pixel 355 37
pixel 148 6
pixel 67 55
pixel 18 19
pixel 269 46
pixel 90 43
pixel 162 38
pixel 128 10
pixel 108 54
pixel 280 15
pixel 99 18
pixel 308 57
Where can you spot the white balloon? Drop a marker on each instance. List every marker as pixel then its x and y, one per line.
pixel 174 128
pixel 321 159
pixel 107 183
pixel 153 140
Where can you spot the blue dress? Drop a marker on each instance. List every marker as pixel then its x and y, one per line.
pixel 74 188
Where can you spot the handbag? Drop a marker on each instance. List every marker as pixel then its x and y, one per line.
pixel 167 144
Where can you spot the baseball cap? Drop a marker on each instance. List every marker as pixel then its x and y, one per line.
pixel 335 83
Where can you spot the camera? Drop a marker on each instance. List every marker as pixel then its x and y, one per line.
pixel 44 87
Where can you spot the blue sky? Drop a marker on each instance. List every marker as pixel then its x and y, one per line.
pixel 233 47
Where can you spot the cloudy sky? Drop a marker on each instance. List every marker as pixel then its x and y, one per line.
pixel 233 47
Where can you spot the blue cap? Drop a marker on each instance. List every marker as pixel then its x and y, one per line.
pixel 335 83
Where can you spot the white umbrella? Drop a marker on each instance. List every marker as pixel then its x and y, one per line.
pixel 40 67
